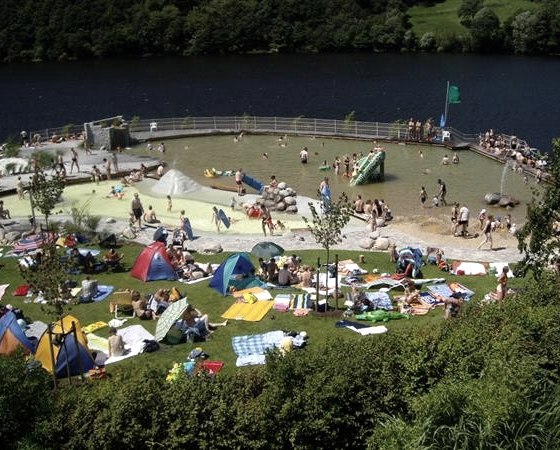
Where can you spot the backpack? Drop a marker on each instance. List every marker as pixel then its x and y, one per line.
pixel 150 346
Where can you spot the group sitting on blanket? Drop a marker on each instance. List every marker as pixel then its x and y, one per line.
pixel 290 273
pixel 84 263
pixel 185 266
pixel 196 326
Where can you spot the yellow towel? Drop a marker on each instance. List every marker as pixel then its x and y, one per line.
pixel 94 327
pixel 251 312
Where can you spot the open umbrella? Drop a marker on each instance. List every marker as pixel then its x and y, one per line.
pixel 168 318
pixel 267 250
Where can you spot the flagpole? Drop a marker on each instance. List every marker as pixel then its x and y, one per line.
pixel 446 103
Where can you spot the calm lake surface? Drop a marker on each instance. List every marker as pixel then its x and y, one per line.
pixel 511 94
pixel 405 170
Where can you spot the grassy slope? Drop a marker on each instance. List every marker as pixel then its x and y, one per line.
pixel 209 301
pixel 442 17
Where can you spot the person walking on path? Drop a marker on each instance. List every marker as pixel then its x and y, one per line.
pixel 216 218
pixel 115 161
pixel 442 192
pixel 487 230
pixel 74 160
pixel 137 209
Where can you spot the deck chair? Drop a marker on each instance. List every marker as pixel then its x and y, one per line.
pixel 445 134
pixel 121 300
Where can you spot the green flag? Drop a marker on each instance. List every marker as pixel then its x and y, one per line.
pixel 453 94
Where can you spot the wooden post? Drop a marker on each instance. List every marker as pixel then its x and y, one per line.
pixel 80 365
pixel 336 281
pixel 49 332
pixel 317 284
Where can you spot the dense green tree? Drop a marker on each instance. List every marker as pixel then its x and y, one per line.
pixel 468 10
pixel 486 32
pixel 541 246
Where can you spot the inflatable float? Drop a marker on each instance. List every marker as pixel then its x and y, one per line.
pixel 211 173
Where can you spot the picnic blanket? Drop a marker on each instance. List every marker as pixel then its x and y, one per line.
pixel 133 337
pixel 250 312
pixel 468 268
pixel 350 267
pixel 379 300
pixel 447 290
pixel 251 349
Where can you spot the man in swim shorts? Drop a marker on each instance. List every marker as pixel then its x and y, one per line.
pixel 239 180
pixel 304 155
pixel 137 209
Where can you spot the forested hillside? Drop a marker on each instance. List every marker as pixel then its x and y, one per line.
pixel 62 30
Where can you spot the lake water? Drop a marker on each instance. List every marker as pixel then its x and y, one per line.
pixel 405 170
pixel 511 94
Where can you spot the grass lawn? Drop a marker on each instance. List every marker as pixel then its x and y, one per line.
pixel 442 17
pixel 210 302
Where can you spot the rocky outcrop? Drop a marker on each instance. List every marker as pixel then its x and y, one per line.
pixel 281 198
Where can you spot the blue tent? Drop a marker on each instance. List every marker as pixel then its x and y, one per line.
pixel 237 271
pixel 12 336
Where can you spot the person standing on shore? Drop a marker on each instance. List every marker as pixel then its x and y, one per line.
pixel 454 218
pixel 115 160
pixel 137 209
pixel 487 230
pixel 325 190
pixel 442 192
pixel 464 220
pixel 74 160
pixel 239 180
pixel 107 165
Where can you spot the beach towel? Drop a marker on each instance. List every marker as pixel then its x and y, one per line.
pixel 361 328
pixel 133 337
pixel 3 288
pixel 94 327
pixel 259 292
pixel 250 312
pixel 499 266
pixel 103 291
pixel 183 280
pixel 468 268
pixel 386 282
pixel 21 291
pixel 447 290
pixel 251 349
pixel 379 300
pixel 282 302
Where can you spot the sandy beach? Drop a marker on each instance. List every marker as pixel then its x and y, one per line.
pixel 417 231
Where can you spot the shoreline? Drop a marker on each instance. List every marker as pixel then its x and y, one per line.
pixel 416 230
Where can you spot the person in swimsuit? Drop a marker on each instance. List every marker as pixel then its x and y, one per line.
pixel 239 180
pixel 423 196
pixel 502 284
pixel 487 230
pixel 74 160
pixel 137 209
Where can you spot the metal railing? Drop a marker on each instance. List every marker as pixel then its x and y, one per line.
pixel 186 126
